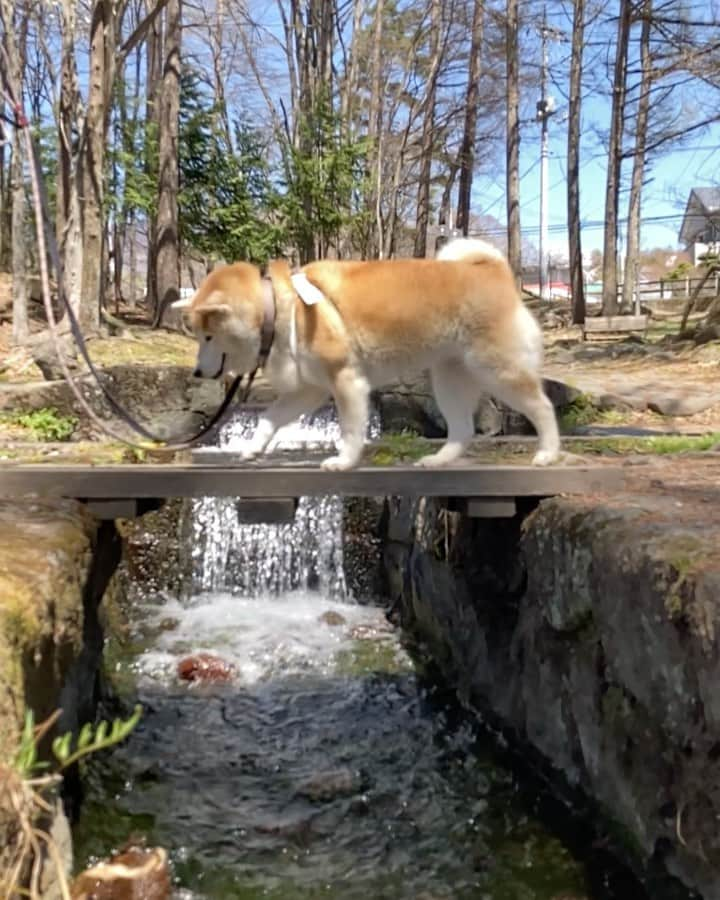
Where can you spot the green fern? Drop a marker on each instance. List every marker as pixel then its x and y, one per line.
pixel 91 739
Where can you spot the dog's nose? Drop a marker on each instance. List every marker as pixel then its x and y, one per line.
pixel 197 373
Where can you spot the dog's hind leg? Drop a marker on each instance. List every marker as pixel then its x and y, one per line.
pixel 283 411
pixel 351 391
pixel 457 392
pixel 522 390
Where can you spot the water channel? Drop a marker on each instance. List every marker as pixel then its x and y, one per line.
pixel 330 765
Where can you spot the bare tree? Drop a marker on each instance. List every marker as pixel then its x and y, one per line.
pixel 102 74
pixel 636 185
pixel 375 118
pixel 153 78
pixel 612 190
pixel 167 247
pixel 466 157
pixel 513 138
pixel 69 127
pixel 427 142
pixel 14 45
pixel 573 165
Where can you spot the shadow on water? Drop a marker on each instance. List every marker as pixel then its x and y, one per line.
pixel 342 786
pixel 345 787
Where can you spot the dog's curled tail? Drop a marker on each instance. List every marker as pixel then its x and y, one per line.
pixel 469 250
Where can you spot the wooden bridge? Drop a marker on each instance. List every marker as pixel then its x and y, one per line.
pixel 269 490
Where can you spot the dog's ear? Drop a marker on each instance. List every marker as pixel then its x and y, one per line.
pixel 181 304
pixel 212 311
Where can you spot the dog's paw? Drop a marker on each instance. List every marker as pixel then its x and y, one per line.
pixel 546 457
pixel 249 453
pixel 338 463
pixel 433 461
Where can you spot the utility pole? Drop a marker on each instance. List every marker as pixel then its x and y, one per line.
pixel 545 108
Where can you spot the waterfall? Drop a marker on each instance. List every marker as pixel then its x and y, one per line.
pixel 264 559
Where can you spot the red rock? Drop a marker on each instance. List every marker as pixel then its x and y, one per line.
pixel 205 667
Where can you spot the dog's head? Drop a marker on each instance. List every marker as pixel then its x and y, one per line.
pixel 226 317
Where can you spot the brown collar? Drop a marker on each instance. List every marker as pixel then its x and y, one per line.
pixel 267 330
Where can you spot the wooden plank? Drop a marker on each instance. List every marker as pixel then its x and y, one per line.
pixel 119 508
pixel 253 480
pixel 481 507
pixel 272 510
pixel 616 323
pixel 490 507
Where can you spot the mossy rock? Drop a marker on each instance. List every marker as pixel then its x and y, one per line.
pixel 45 556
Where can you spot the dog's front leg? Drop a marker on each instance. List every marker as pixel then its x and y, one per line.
pixel 283 411
pixel 352 397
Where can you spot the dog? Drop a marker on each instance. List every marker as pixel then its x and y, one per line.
pixel 341 328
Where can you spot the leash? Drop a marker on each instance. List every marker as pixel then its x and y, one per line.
pixel 47 243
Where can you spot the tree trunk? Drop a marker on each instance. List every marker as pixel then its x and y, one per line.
pixel 167 252
pixel 426 152
pixel 132 261
pixel 445 212
pixel 102 73
pixel 15 51
pixel 472 101
pixel 612 191
pixel 5 228
pixel 219 76
pixel 20 321
pixel 577 284
pixel 513 140
pixel 68 214
pixel 375 130
pixel 636 185
pixel 67 114
pixel 153 82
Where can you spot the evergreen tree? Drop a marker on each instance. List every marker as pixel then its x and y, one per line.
pixel 228 202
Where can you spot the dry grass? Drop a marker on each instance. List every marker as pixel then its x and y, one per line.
pixel 24 808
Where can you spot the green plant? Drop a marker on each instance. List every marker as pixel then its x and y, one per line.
pixel 29 790
pixel 582 411
pixel 399 446
pixel 46 424
pixel 91 739
pixel 681 270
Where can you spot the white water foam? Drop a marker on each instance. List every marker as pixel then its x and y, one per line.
pixel 294 633
pixel 268 559
pixel 262 593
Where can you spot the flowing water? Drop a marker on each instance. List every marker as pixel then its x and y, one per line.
pixel 328 767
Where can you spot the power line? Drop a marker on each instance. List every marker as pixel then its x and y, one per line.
pixel 590 225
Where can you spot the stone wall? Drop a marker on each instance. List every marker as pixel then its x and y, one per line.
pixel 55 565
pixel 587 630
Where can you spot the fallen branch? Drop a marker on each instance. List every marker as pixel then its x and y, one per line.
pixel 690 305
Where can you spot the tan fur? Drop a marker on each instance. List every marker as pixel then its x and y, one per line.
pixel 459 316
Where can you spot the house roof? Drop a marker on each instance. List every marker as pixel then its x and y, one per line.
pixel 703 204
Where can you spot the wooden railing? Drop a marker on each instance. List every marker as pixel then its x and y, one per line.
pixel 675 289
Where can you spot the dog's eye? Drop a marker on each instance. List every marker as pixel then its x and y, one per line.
pixel 208 337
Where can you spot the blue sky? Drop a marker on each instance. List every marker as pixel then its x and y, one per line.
pixel 669 176
pixel 672 177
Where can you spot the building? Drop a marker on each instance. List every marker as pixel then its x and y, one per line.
pixel 700 229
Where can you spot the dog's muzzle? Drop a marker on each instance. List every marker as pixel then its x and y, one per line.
pixel 220 370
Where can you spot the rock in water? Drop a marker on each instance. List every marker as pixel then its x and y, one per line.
pixel 332 618
pixel 325 786
pixel 136 873
pixel 206 668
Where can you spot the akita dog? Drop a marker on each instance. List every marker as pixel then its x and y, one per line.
pixel 342 328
